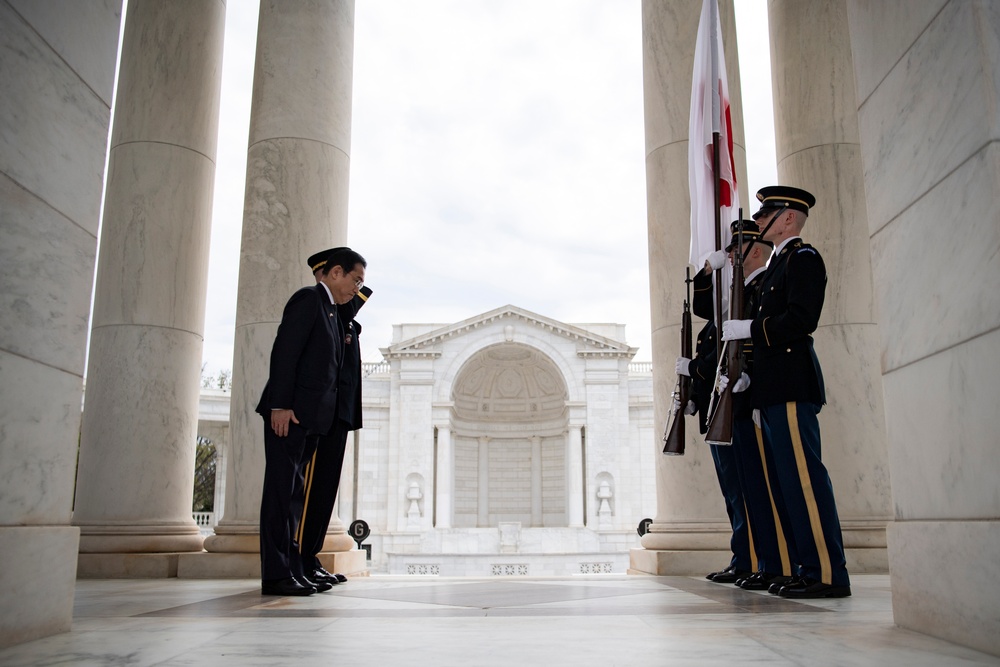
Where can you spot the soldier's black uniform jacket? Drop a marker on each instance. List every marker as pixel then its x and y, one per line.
pixel 703 367
pixel 792 290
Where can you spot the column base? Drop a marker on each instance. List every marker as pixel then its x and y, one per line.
pixel 236 554
pixel 38 579
pixel 677 563
pixel 145 539
pixel 127 565
pixel 944 581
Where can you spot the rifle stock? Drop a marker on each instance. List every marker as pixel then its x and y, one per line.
pixel 676 435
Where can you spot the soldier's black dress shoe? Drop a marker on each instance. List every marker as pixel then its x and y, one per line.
pixel 729 576
pixel 341 577
pixel 810 589
pixel 320 574
pixel 320 586
pixel 289 586
pixel 776 586
pixel 762 581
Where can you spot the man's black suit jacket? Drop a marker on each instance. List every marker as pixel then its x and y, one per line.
pixel 305 361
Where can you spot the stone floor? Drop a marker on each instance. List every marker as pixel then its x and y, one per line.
pixel 600 620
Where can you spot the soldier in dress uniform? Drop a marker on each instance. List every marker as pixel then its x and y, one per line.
pixel 322 476
pixel 702 370
pixel 765 518
pixel 788 392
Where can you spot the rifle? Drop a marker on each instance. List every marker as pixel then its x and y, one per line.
pixel 720 423
pixel 674 436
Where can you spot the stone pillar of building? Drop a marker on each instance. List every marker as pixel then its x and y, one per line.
pixel 536 482
pixel 137 448
pixel 484 482
pixel 221 456
pixel 926 77
pixel 690 530
pixel 818 149
pixel 298 164
pixel 574 476
pixel 57 71
pixel 444 500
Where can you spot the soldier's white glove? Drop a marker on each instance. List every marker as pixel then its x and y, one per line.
pixel 717 259
pixel 755 416
pixel 682 366
pixel 690 409
pixel 741 384
pixel 736 329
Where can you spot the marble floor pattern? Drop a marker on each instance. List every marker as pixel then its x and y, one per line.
pixel 600 620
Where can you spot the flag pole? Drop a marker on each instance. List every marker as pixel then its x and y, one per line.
pixel 716 168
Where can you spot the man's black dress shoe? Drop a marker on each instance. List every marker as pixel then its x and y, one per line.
pixel 809 589
pixel 730 576
pixel 340 577
pixel 776 586
pixel 712 575
pixel 762 581
pixel 320 574
pixel 320 586
pixel 289 586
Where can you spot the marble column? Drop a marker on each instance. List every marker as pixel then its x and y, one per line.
pixel 444 502
pixel 298 163
pixel 927 88
pixel 484 482
pixel 137 448
pixel 536 482
pixel 690 529
pixel 574 476
pixel 818 148
pixel 57 69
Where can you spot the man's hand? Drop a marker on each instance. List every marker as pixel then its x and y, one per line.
pixel 741 384
pixel 717 259
pixel 682 366
pixel 689 409
pixel 279 421
pixel 736 329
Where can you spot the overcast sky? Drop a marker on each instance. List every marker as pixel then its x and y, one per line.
pixel 497 157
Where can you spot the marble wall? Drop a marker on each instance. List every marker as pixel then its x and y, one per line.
pixel 927 86
pixel 57 65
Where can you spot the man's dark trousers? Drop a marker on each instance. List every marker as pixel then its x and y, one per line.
pixel 322 482
pixel 283 500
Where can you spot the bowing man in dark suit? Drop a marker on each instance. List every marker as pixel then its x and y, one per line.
pixel 298 405
pixel 322 477
pixel 788 392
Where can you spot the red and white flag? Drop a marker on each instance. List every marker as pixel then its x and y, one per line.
pixel 710 113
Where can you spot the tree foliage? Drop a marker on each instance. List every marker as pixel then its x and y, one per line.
pixel 204 475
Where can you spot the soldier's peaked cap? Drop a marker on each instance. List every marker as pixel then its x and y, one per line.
pixel 784 196
pixel 319 260
pixel 750 231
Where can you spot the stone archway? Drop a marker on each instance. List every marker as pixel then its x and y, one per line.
pixel 510 424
